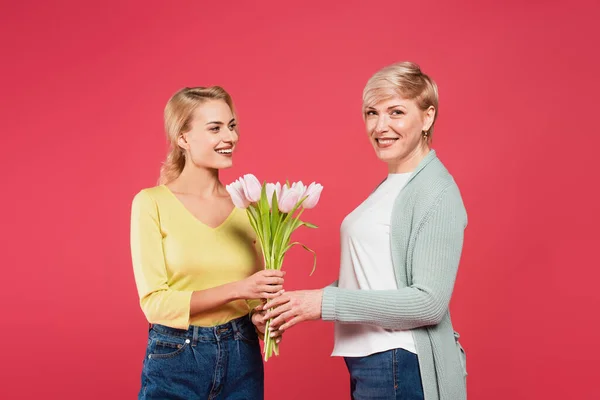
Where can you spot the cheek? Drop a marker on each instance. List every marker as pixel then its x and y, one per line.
pixel 201 148
pixel 369 127
pixel 205 143
pixel 399 125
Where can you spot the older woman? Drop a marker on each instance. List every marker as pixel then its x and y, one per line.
pixel 400 253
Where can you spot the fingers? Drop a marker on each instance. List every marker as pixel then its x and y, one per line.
pixel 266 295
pixel 276 301
pixel 272 273
pixel 258 320
pixel 276 312
pixel 269 280
pixel 276 334
pixel 288 315
pixel 271 288
pixel 290 323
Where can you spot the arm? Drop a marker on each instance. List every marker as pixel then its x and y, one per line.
pixel 436 257
pixel 160 303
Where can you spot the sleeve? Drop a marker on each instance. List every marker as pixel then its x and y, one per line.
pixel 160 304
pixel 436 256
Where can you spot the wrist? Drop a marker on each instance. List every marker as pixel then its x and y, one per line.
pixel 234 291
pixel 320 303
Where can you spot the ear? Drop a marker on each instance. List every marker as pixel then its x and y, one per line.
pixel 182 142
pixel 428 117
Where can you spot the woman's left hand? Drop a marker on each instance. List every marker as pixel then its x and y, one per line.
pixel 258 319
pixel 293 307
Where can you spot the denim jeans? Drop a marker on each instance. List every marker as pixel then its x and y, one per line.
pixel 221 362
pixel 392 374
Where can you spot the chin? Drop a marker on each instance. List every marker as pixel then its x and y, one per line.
pixel 223 165
pixel 227 164
pixel 386 156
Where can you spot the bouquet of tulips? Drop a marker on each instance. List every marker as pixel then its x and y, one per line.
pixel 274 212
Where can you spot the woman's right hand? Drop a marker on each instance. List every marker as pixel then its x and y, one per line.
pixel 265 284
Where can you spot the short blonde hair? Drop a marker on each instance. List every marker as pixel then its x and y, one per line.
pixel 178 117
pixel 406 80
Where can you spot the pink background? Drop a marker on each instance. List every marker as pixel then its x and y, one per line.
pixel 84 85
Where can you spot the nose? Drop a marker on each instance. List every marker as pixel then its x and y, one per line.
pixel 382 124
pixel 229 136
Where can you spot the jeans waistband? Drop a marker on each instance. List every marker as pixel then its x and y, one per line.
pixel 227 331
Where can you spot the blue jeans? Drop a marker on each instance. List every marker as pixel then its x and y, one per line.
pixel 392 374
pixel 221 362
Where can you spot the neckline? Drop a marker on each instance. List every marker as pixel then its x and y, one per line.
pixel 192 216
pixel 399 175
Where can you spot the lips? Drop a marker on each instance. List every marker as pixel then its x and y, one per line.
pixel 383 143
pixel 225 151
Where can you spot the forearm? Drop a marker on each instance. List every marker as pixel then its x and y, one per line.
pixel 402 309
pixel 208 299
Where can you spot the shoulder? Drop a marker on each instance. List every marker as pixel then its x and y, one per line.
pixel 241 220
pixel 435 187
pixel 149 197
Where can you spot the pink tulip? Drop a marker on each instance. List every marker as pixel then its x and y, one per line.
pixel 300 187
pixel 313 193
pixel 289 198
pixel 252 188
pixel 273 188
pixel 236 191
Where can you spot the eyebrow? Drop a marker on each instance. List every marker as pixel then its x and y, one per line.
pixel 397 105
pixel 219 122
pixel 389 108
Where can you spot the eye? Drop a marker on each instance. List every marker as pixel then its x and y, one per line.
pixel 397 112
pixel 232 127
pixel 215 129
pixel 370 112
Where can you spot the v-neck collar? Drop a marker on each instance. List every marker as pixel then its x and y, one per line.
pixel 192 216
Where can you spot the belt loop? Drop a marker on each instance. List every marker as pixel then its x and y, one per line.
pixel 195 335
pixel 236 328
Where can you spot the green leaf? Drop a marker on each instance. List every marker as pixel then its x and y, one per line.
pixel 307 249
pixel 265 220
pixel 309 225
pixel 274 212
pixel 287 227
pixel 253 218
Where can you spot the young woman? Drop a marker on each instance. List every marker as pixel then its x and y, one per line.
pixel 400 253
pixel 196 262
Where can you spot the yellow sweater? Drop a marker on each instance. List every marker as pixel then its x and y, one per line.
pixel 174 254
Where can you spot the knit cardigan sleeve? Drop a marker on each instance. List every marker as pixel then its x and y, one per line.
pixel 436 255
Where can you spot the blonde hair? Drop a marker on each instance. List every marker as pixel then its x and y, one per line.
pixel 406 80
pixel 178 117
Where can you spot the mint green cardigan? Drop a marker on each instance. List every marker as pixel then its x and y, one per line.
pixel 427 228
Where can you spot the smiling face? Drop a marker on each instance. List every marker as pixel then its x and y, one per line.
pixel 212 137
pixel 395 127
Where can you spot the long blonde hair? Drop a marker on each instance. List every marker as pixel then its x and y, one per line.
pixel 178 116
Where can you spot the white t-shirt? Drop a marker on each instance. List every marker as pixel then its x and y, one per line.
pixel 366 263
